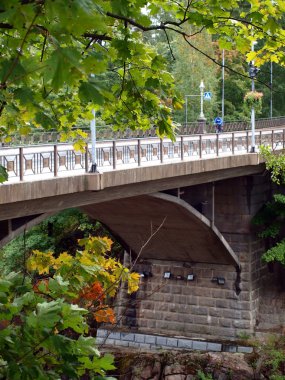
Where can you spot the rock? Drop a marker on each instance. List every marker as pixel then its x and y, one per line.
pixel 183 366
pixel 224 366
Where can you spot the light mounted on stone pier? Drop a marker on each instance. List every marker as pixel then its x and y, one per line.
pixel 190 277
pixel 167 275
pixel 219 280
pixel 145 274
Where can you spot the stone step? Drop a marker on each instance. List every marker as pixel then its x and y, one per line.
pixel 156 342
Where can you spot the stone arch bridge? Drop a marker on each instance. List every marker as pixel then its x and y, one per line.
pixel 187 218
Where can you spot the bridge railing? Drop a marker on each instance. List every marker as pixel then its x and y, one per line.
pixel 33 162
pixel 107 133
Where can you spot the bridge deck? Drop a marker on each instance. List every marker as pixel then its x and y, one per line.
pixel 40 162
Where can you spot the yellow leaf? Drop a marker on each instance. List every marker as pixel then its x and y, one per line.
pixel 40 261
pixel 133 282
pixel 177 105
pixel 86 259
pixel 251 56
pixel 63 259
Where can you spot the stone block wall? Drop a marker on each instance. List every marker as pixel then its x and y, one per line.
pixel 199 308
pixel 202 308
pixel 237 202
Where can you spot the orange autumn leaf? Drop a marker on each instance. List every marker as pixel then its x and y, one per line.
pixel 93 292
pixel 105 315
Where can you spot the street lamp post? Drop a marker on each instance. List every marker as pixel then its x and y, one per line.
pixel 186 114
pixel 93 168
pixel 271 84
pixel 202 87
pixel 252 120
pixel 202 119
pixel 223 84
pixel 252 73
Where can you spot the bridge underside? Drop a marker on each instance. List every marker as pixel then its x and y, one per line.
pixel 163 227
pixel 11 228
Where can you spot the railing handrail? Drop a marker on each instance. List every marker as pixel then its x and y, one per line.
pixel 191 127
pixel 52 159
pixel 109 140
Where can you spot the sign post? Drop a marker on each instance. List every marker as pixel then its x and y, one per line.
pixel 218 124
pixel 207 95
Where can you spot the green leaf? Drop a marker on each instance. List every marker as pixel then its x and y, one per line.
pixel 4 285
pixel 3 174
pixel 88 92
pixel 73 318
pixel 107 362
pixel 47 315
pixel 87 346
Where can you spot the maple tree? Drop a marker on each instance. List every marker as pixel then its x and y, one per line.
pixel 44 312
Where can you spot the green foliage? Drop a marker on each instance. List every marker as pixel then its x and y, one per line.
pixel 277 253
pixel 12 253
pixel 202 376
pixel 253 99
pixel 56 233
pixel 271 217
pixel 243 335
pixel 50 49
pixel 272 357
pixel 278 77
pixel 275 163
pixel 44 332
pixel 3 174
pixel 189 61
pixel 271 221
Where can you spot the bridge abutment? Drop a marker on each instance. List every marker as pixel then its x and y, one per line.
pixel 220 302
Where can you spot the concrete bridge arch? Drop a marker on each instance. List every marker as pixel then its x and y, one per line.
pixel 164 227
pixel 155 226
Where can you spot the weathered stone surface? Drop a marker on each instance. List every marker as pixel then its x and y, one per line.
pixel 182 366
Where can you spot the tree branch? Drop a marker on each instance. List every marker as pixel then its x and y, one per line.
pixel 5 25
pixel 171 51
pixel 43 48
pixel 95 36
pixel 123 80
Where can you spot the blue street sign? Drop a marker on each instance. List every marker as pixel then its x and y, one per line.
pixel 218 121
pixel 207 95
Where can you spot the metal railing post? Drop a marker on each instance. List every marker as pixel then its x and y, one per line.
pixel 247 141
pixel 114 155
pixel 55 166
pixel 233 143
pixel 161 150
pixel 272 139
pixel 182 148
pixel 21 163
pixel 217 144
pixel 139 152
pixel 200 146
pixel 86 158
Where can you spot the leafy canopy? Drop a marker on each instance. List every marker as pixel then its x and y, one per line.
pixel 271 217
pixel 45 313
pixel 62 58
